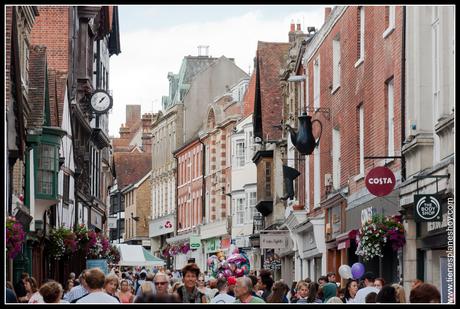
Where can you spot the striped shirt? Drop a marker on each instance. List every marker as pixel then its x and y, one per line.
pixel 76 292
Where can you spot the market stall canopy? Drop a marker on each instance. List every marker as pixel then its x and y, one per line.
pixel 136 255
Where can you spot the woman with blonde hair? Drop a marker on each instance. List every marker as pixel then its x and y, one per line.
pixel 111 285
pixel 400 293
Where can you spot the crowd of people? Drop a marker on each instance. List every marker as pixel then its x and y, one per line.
pixel 190 285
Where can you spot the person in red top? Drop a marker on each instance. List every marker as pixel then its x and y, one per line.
pixel 231 286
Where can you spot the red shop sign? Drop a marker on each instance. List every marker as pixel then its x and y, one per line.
pixel 380 181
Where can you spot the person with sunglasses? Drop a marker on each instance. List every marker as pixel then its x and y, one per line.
pixel 161 283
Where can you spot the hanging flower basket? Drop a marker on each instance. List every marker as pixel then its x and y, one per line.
pixel 174 250
pixel 62 242
pixel 98 246
pixel 113 257
pixel 185 248
pixel 378 232
pixel 15 237
pixel 165 251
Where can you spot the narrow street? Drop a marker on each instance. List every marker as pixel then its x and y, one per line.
pixel 229 154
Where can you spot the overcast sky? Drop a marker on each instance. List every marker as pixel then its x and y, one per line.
pixel 155 39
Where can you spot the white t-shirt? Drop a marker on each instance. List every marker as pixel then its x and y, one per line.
pixel 36 298
pixel 223 298
pixel 360 297
pixel 98 298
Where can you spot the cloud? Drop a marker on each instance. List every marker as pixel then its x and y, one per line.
pixel 139 74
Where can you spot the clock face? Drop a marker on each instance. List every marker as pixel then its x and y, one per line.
pixel 100 101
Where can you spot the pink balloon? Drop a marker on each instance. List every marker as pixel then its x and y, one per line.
pixel 239 272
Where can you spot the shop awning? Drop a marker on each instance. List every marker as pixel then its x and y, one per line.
pixel 136 255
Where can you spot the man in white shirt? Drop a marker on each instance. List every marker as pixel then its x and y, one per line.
pixel 369 279
pixel 222 297
pixel 95 279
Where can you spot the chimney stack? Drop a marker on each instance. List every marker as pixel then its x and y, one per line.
pixel 292 32
pixel 133 114
pixel 327 12
pixel 146 132
pixel 292 26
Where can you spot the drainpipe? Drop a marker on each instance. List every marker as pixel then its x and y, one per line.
pixel 403 93
pixel 176 199
pixel 403 113
pixel 203 184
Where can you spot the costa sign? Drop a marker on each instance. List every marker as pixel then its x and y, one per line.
pixel 380 181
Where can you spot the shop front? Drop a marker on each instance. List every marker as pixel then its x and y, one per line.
pixel 389 265
pixel 214 238
pixel 310 250
pixel 334 210
pixel 160 230
pixel 428 207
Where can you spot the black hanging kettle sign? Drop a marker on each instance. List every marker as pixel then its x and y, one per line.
pixel 303 140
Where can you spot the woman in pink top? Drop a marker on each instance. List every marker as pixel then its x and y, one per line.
pixel 125 295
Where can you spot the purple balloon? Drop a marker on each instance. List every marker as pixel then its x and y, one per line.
pixel 357 270
pixel 228 273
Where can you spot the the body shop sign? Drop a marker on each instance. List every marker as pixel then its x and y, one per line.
pixel 427 208
pixel 380 181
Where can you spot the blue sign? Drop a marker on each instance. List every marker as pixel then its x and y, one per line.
pixel 101 264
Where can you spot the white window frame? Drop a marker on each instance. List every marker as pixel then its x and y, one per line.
pixel 391 21
pixel 436 80
pixel 361 140
pixel 336 63
pixel 251 201
pixel 316 83
pixel 391 122
pixel 336 158
pixel 25 65
pixel 361 36
pixel 307 183
pixel 240 156
pixel 317 177
pixel 250 143
pixel 240 210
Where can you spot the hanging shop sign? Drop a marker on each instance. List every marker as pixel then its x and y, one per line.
pixel 380 181
pixel 427 208
pixel 195 242
pixel 274 241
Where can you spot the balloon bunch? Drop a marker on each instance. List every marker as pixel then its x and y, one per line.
pixel 356 271
pixel 237 264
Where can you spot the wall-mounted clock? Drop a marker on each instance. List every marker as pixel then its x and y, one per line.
pixel 101 101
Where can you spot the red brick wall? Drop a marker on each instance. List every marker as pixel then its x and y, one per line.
pixel 364 84
pixel 191 184
pixel 52 30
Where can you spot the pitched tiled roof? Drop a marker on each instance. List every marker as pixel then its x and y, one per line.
pixel 248 102
pixel 37 79
pixel 130 167
pixel 271 58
